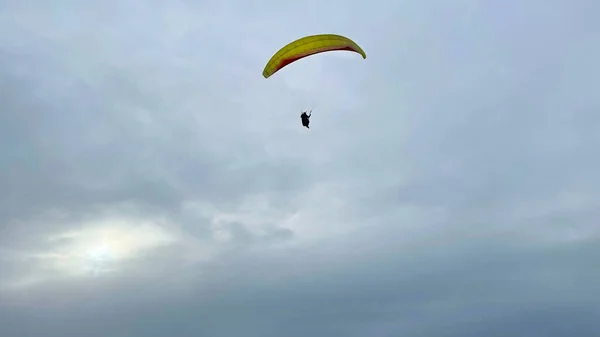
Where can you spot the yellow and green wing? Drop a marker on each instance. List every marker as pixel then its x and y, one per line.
pixel 307 46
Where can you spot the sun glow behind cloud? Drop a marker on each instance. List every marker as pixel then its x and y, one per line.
pixel 96 249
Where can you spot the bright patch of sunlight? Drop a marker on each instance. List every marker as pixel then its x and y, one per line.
pixel 101 247
pixel 94 249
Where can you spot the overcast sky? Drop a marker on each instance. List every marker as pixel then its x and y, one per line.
pixel 153 183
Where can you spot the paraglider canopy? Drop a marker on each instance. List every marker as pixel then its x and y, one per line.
pixel 307 46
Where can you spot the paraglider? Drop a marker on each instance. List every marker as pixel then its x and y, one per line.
pixel 307 46
pixel 305 119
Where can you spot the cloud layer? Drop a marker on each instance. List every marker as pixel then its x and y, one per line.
pixel 154 184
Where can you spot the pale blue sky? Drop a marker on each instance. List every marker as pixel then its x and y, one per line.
pixel 153 183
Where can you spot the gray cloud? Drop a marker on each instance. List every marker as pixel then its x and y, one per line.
pixel 153 183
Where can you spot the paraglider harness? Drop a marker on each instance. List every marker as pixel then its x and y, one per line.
pixel 306 119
